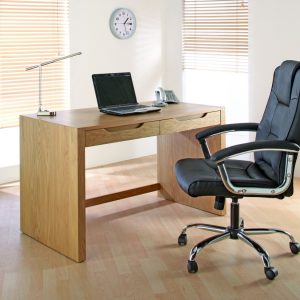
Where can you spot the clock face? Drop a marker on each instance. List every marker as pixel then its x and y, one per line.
pixel 122 23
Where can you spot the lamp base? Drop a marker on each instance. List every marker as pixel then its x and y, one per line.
pixel 46 113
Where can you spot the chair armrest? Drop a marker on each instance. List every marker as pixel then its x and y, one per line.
pixel 202 135
pixel 282 146
pixel 226 128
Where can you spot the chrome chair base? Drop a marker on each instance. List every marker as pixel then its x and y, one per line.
pixel 235 231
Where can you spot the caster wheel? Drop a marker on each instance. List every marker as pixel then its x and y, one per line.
pixel 192 266
pixel 182 239
pixel 271 273
pixel 295 247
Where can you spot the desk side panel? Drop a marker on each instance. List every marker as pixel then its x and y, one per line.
pixel 52 186
pixel 176 146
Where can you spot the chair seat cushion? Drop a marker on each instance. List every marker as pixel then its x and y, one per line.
pixel 200 177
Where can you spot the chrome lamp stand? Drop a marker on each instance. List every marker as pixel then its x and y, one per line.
pixel 42 112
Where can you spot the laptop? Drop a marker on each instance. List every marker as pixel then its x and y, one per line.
pixel 115 95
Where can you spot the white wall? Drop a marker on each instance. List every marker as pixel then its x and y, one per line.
pixel 102 52
pixel 273 37
pixel 172 46
pixel 9 154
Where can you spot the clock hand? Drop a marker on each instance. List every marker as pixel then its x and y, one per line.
pixel 126 21
pixel 125 28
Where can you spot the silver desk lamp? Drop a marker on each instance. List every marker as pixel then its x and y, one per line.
pixel 40 111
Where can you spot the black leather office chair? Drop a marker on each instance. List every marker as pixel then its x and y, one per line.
pixel 270 175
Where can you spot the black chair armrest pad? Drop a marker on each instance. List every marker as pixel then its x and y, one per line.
pixel 254 146
pixel 225 128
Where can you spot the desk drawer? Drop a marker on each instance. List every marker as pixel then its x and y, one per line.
pixel 190 122
pixel 121 133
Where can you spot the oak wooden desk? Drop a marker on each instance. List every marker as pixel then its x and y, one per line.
pixel 52 171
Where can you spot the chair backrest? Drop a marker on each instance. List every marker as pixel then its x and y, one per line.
pixel 281 119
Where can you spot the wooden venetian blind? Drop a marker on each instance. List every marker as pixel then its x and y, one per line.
pixel 31 32
pixel 215 35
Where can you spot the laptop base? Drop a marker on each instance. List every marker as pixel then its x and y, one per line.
pixel 126 112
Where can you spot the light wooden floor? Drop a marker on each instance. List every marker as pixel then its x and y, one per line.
pixel 132 250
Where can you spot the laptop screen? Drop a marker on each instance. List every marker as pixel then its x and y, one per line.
pixel 114 89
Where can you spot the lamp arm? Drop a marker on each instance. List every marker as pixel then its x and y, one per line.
pixel 40 88
pixel 40 111
pixel 52 61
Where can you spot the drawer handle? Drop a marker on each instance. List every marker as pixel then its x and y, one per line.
pixel 122 128
pixel 186 118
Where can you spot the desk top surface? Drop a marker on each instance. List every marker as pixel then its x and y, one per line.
pixel 92 118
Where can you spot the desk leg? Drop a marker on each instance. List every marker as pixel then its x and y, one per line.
pixel 52 186
pixel 171 148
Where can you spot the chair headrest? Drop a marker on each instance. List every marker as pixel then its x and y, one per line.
pixel 285 79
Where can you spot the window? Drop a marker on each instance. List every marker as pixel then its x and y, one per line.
pixel 215 35
pixel 32 32
pixel 215 58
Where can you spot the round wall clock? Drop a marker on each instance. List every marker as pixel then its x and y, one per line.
pixel 122 23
